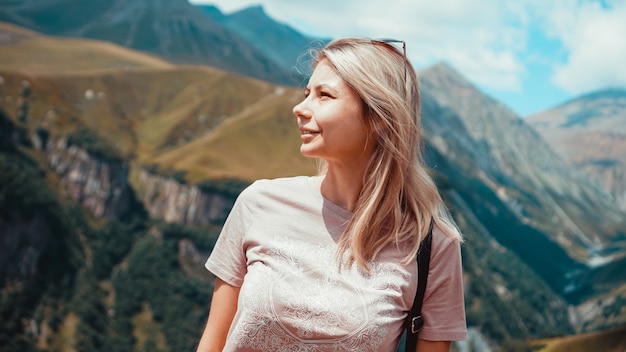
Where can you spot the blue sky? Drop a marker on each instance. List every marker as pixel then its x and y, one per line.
pixel 529 54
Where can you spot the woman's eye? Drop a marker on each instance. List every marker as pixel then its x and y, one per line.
pixel 324 94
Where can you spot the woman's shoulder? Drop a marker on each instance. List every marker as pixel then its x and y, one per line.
pixel 275 188
pixel 274 194
pixel 277 184
pixel 269 193
pixel 445 238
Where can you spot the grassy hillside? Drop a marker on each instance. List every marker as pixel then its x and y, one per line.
pixel 260 141
pixel 13 33
pixel 191 118
pixel 613 340
pixel 29 52
pixel 183 118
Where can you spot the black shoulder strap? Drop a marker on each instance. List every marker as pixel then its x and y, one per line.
pixel 415 321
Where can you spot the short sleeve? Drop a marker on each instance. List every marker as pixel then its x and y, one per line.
pixel 228 259
pixel 444 307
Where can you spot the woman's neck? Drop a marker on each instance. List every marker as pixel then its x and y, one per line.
pixel 342 186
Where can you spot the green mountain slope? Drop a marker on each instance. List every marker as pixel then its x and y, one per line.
pixel 173 29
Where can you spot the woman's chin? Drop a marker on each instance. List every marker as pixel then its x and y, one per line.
pixel 308 152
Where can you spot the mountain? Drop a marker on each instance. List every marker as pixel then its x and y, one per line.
pixel 172 29
pixel 280 42
pixel 589 133
pixel 499 170
pixel 28 51
pixel 519 165
pixel 201 102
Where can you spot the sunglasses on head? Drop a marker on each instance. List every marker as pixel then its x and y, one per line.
pixel 390 43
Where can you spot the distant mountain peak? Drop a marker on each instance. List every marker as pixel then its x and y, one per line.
pixel 444 71
pixel 253 13
pixel 444 66
pixel 256 8
pixel 587 110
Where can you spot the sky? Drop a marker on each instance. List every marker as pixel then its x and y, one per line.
pixel 531 55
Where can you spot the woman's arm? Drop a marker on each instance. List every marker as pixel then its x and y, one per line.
pixel 221 314
pixel 432 346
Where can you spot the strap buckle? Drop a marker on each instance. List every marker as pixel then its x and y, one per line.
pixel 417 323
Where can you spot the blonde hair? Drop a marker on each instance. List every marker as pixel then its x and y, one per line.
pixel 399 198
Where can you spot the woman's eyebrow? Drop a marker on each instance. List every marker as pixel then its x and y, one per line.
pixel 325 86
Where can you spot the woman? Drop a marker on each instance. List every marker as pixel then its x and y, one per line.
pixel 327 263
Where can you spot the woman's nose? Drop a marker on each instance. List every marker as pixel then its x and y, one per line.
pixel 300 110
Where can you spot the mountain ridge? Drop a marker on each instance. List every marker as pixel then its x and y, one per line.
pixel 176 30
pixel 518 149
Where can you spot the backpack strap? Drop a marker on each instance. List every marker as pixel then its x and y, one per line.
pixel 414 320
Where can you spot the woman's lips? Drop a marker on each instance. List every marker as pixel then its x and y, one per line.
pixel 307 134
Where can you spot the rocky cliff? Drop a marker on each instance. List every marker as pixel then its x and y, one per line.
pixel 167 199
pixel 99 185
pixel 102 187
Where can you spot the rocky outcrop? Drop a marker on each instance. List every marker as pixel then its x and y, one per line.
pixel 172 201
pixel 98 185
pixel 102 187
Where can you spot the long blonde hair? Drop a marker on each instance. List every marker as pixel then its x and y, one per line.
pixel 399 198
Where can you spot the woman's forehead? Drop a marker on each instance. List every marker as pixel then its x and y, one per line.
pixel 325 74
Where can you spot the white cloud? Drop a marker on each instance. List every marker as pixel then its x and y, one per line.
pixel 593 35
pixel 486 40
pixel 481 38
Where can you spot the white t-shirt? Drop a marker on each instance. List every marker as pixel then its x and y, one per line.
pixel 278 244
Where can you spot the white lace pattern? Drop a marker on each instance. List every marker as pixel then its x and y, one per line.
pixel 298 300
